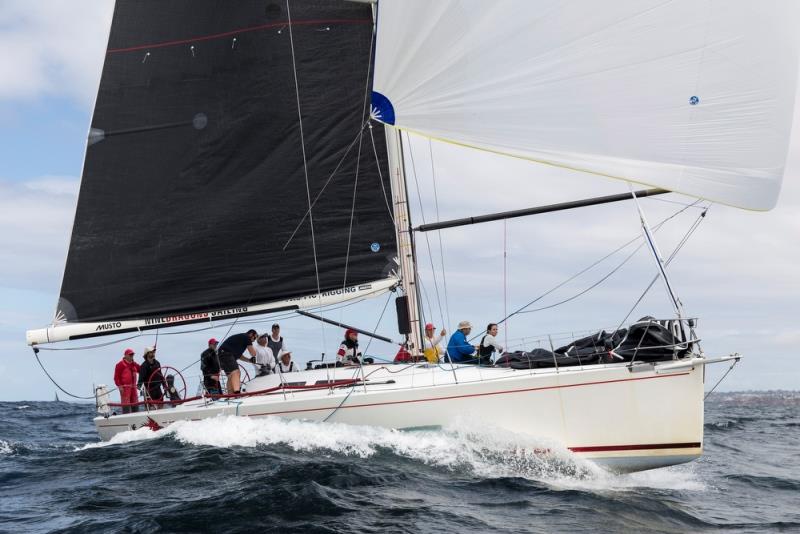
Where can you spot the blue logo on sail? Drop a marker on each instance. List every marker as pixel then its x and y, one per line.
pixel 381 109
pixel 694 100
pixel 375 247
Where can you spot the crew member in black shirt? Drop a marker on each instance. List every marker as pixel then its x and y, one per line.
pixel 209 366
pixel 232 349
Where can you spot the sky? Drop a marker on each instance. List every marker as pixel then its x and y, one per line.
pixel 736 274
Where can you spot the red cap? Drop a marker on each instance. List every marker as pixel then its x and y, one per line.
pixel 129 352
pixel 429 326
pixel 212 341
pixel 349 331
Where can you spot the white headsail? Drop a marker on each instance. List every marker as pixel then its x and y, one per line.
pixel 691 96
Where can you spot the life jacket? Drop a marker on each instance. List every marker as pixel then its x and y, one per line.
pixel 275 346
pixel 484 352
pixel 432 353
pixel 348 350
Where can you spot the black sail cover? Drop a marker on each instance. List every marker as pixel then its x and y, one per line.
pixel 194 179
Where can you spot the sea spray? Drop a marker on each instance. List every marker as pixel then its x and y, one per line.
pixel 272 474
pixel 479 450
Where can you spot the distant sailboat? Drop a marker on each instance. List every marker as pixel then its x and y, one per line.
pixel 57 399
pixel 205 113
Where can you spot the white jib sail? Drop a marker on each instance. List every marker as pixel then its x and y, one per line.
pixel 693 96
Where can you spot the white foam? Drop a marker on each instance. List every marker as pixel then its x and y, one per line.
pixel 22 407
pixel 5 447
pixel 486 452
pixel 140 434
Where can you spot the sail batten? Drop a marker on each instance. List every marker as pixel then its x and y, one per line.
pixel 193 180
pixel 692 97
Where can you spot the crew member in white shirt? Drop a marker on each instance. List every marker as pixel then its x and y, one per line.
pixel 489 345
pixel 286 365
pixel 265 361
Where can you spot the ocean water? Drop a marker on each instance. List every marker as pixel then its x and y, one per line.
pixel 243 475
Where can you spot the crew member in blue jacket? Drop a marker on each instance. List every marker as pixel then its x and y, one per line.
pixel 458 348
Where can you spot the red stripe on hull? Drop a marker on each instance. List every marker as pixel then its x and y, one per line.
pixel 650 446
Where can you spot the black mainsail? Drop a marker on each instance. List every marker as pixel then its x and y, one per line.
pixel 194 193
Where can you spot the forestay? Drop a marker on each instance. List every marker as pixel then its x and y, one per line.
pixel 194 196
pixel 690 96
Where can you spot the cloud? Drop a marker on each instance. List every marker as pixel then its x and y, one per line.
pixel 40 212
pixel 54 186
pixel 52 48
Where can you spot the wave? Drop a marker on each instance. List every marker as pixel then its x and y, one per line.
pixel 5 447
pixel 766 482
pixel 483 452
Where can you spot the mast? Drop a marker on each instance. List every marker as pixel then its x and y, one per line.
pixel 405 238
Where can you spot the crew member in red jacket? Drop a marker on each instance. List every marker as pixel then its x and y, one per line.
pixel 125 378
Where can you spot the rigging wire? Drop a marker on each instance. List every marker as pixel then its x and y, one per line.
pixel 579 273
pixel 733 364
pixel 364 118
pixel 439 233
pixel 505 279
pixel 378 324
pixel 674 253
pixel 380 175
pixel 600 281
pixel 352 216
pixel 427 238
pixel 325 185
pixel 36 353
pixel 427 299
pixel 353 386
pixel 305 163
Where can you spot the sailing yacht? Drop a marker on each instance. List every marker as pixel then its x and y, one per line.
pixel 203 108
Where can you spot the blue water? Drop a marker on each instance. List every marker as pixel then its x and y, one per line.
pixel 242 475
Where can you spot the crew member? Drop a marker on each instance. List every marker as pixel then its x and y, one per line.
pixel 348 351
pixel 231 350
pixel 432 348
pixel 125 379
pixel 458 348
pixel 286 365
pixel 209 366
pixel 489 345
pixel 150 378
pixel 265 361
pixel 276 343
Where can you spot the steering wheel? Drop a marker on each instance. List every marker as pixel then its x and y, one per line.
pixel 178 382
pixel 244 376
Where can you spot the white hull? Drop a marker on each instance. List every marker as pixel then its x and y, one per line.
pixel 624 420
